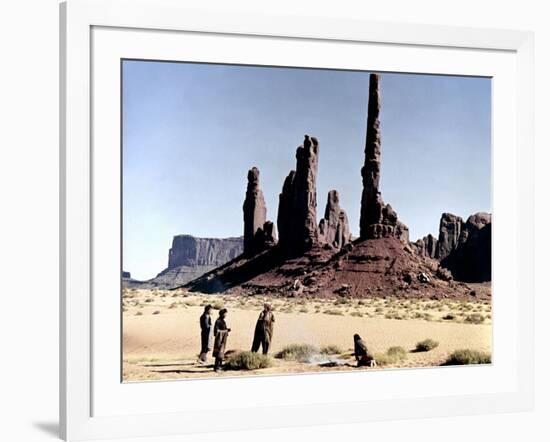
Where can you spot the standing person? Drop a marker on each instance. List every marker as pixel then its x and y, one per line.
pixel 362 354
pixel 206 333
pixel 221 332
pixel 263 333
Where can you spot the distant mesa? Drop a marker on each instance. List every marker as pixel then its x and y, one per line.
pixel 128 281
pixel 190 257
pixel 190 251
pixel 311 258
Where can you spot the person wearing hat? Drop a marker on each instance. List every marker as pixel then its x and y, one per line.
pixel 263 333
pixel 206 333
pixel 221 332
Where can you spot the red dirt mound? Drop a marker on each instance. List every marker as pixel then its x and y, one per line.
pixel 367 268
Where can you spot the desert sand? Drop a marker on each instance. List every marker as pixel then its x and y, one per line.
pixel 161 337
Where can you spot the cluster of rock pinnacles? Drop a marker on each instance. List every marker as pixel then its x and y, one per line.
pixel 297 214
pixel 462 247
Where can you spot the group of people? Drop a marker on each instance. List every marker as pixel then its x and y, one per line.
pixel 263 334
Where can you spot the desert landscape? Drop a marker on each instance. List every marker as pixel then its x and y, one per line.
pixel 420 303
pixel 161 338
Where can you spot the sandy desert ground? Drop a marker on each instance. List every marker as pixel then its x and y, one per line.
pixel 161 331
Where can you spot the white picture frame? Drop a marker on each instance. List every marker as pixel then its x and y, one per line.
pixel 94 33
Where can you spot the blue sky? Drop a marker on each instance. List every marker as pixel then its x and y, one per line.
pixel 192 131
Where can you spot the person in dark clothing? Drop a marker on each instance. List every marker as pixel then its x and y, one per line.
pixel 263 334
pixel 362 354
pixel 206 333
pixel 221 332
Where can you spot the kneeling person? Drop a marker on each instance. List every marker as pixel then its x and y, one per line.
pixel 362 354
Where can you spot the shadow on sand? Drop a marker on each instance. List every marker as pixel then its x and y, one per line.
pixel 202 369
pixel 185 364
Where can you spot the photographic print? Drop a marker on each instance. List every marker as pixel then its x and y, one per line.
pixel 282 220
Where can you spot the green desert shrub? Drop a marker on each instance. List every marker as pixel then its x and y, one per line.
pixel 246 360
pixel 392 356
pixel 217 306
pixel 398 352
pixel 395 315
pixel 298 352
pixel 426 345
pixel 333 312
pixel 474 318
pixel 330 350
pixel 449 317
pixel 468 357
pixel 428 317
pixel 341 301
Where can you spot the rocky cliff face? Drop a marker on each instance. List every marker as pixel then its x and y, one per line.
pixel 334 227
pixel 190 257
pixel 378 220
pixel 470 260
pixel 427 246
pixel 450 227
pixel 191 252
pixel 464 248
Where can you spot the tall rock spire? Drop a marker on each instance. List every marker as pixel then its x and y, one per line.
pixel 371 199
pixel 254 210
pixel 297 216
pixel 377 220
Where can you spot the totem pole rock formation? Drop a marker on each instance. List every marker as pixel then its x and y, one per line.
pixel 254 209
pixel 378 220
pixel 258 233
pixel 297 216
pixel 334 227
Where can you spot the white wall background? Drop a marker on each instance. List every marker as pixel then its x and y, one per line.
pixel 29 217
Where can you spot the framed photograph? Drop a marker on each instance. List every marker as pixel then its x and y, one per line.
pixel 273 221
